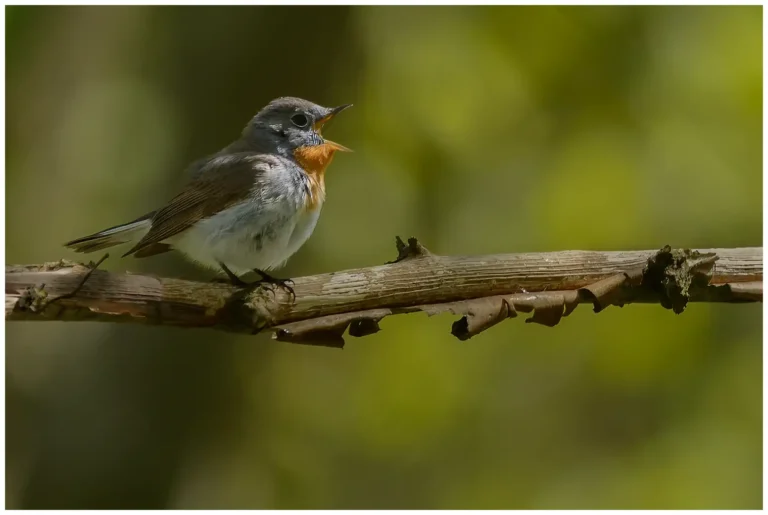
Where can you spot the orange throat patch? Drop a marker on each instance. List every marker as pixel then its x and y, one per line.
pixel 314 160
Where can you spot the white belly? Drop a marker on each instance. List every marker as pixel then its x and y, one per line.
pixel 248 236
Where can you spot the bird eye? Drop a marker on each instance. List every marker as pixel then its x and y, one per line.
pixel 300 120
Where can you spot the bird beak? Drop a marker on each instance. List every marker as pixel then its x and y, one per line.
pixel 325 119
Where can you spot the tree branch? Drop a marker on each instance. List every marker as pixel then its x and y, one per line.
pixel 483 290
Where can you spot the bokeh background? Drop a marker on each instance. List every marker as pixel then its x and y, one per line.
pixel 478 130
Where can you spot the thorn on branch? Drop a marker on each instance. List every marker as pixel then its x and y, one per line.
pixel 412 250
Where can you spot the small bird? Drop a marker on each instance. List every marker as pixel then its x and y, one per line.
pixel 248 207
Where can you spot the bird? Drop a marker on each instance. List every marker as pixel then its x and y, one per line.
pixel 247 208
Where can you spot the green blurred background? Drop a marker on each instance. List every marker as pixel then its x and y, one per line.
pixel 478 130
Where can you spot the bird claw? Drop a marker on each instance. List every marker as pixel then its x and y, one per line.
pixel 269 283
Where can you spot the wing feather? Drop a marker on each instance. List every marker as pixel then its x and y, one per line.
pixel 223 181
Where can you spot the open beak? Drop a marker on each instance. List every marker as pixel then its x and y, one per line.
pixel 325 119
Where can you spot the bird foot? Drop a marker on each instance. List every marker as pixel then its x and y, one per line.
pixel 269 283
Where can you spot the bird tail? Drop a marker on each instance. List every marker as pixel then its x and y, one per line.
pixel 116 235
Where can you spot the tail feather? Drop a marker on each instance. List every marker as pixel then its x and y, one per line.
pixel 112 236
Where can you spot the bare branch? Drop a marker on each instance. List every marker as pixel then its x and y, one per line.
pixel 483 290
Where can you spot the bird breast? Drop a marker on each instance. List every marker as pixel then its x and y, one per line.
pixel 261 233
pixel 314 160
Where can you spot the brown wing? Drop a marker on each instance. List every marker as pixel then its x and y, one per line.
pixel 153 250
pixel 221 183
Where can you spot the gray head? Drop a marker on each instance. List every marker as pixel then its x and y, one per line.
pixel 287 124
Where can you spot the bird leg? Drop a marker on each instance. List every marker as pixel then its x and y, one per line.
pixel 265 282
pixel 231 277
pixel 268 279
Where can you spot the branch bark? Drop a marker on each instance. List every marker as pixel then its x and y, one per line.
pixel 484 290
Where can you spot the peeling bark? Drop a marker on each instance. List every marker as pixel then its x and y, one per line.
pixel 482 290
